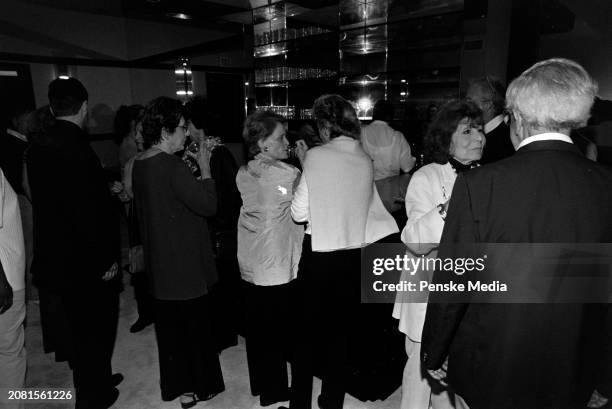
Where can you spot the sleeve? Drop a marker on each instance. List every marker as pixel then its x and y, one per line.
pixel 127 178
pixel 223 171
pixel 300 210
pixel 199 196
pixel 407 161
pixel 443 319
pixel 424 223
pixel 93 213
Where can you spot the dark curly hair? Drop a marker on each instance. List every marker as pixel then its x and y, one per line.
pixel 257 126
pixel 197 111
pixel 438 138
pixel 161 113
pixel 336 114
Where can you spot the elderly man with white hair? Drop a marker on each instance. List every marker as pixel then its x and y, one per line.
pixel 519 356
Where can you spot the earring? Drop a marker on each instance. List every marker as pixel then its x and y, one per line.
pixel 266 149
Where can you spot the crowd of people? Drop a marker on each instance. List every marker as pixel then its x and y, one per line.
pixel 272 250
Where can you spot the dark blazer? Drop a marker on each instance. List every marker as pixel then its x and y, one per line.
pixel 519 356
pixel 498 146
pixel 76 225
pixel 172 207
pixel 223 169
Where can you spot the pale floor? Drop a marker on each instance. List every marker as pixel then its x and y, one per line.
pixel 136 358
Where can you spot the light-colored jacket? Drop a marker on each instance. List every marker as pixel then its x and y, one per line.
pixel 389 150
pixel 429 187
pixel 337 196
pixel 269 242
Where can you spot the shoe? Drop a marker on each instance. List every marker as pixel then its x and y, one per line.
pixel 139 325
pixel 116 379
pixel 190 401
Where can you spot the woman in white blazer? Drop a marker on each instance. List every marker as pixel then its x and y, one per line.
pixel 453 144
pixel 337 198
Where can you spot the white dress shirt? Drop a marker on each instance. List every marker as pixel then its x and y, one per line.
pixel 549 136
pixel 388 149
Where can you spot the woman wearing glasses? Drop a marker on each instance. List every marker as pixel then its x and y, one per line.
pixel 173 205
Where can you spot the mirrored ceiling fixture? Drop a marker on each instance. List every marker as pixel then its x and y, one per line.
pixel 184 79
pixel 363 53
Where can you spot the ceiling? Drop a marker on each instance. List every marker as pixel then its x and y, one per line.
pixel 222 15
pixel 230 18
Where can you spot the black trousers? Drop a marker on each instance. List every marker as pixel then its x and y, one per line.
pixel 92 313
pixel 188 359
pixel 225 294
pixel 144 301
pixel 329 285
pixel 268 337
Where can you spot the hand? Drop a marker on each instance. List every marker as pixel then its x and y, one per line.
pixel 111 273
pixel 116 187
pixel 202 157
pixel 6 295
pixel 300 150
pixel 439 374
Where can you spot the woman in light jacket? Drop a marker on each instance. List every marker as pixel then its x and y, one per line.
pixel 269 248
pixel 454 143
pixel 337 198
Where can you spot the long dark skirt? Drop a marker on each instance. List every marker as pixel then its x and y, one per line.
pixel 329 283
pixel 188 359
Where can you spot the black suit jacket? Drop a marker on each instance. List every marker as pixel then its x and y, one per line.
pixel 522 355
pixel 498 146
pixel 76 231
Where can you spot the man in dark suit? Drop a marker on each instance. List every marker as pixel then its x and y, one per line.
pixel 76 241
pixel 488 94
pixel 520 356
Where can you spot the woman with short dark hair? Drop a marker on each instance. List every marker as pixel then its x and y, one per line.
pixel 172 206
pixel 337 197
pixel 269 247
pixel 223 170
pixel 454 142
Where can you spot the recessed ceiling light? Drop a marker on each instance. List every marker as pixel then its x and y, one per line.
pixel 180 16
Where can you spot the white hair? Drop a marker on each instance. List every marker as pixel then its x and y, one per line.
pixel 552 95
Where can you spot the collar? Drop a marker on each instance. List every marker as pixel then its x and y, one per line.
pixel 549 136
pixel 342 138
pixel 493 123
pixel 379 121
pixel 17 135
pixel 459 167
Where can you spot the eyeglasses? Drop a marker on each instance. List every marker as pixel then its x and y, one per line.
pixel 185 128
